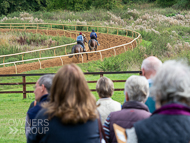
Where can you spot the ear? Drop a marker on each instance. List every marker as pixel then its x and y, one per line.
pixel 126 96
pixel 43 88
pixel 143 72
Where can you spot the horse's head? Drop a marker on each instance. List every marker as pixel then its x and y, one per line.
pixel 85 39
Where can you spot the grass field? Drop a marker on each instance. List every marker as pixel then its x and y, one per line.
pixel 13 107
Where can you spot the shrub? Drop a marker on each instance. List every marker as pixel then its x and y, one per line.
pixel 166 3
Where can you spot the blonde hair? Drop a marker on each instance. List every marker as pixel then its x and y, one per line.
pixel 104 87
pixel 70 98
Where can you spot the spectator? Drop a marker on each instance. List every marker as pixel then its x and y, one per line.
pixel 42 89
pixel 136 91
pixel 105 89
pixel 149 68
pixel 170 122
pixel 70 115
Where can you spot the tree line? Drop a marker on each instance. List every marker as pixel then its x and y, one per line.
pixel 9 6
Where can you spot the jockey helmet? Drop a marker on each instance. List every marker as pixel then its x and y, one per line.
pixel 92 30
pixel 80 33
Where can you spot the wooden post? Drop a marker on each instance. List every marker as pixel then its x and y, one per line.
pixel 124 48
pixel 97 29
pixel 40 54
pixel 37 29
pixel 101 56
pixel 132 34
pixel 61 60
pixel 75 28
pixel 117 31
pixel 64 33
pixel 40 63
pixel 54 53
pixel 22 58
pixel 132 46
pixel 24 86
pixel 15 68
pixel 126 32
pixel 4 61
pixel 114 52
pixel 87 28
pixel 101 75
pixel 107 30
pixel 10 26
pixel 65 50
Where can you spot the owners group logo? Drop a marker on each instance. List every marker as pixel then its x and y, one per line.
pixel 21 126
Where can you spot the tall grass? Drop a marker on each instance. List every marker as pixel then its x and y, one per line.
pixel 10 45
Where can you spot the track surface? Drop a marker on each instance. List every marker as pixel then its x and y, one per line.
pixel 105 40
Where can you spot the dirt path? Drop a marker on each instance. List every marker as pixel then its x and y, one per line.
pixel 105 40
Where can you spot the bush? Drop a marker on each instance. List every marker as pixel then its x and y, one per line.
pixel 166 3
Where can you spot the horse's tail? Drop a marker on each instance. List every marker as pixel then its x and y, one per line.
pixel 72 51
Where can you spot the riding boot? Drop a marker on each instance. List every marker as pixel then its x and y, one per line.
pixel 98 43
pixel 84 50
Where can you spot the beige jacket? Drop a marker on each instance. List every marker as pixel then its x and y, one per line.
pixel 107 105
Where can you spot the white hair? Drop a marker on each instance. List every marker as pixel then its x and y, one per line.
pixel 172 82
pixel 137 88
pixel 46 80
pixel 151 64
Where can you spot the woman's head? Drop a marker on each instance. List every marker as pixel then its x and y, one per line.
pixel 171 83
pixel 104 87
pixel 71 99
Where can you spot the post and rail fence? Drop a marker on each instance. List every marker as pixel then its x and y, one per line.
pixel 24 83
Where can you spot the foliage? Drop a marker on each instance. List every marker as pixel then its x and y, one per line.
pixel 166 3
pixel 9 6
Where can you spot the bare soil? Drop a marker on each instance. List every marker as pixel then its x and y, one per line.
pixel 105 40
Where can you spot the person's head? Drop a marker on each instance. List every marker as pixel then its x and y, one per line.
pixel 172 83
pixel 150 66
pixel 70 98
pixel 92 30
pixel 136 88
pixel 80 33
pixel 43 86
pixel 104 87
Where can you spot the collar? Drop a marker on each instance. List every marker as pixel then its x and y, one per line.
pixel 44 98
pixel 174 109
pixel 135 105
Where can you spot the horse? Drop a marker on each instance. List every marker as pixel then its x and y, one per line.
pixel 92 44
pixel 78 49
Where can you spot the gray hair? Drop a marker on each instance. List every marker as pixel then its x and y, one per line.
pixel 151 64
pixel 46 80
pixel 172 83
pixel 137 88
pixel 104 87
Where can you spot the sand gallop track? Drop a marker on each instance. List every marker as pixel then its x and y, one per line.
pixel 105 40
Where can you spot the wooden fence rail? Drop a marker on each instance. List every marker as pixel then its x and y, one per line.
pixel 24 83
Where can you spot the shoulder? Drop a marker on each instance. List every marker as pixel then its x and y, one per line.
pixel 42 114
pixel 116 103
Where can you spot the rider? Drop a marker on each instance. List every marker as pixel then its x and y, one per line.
pixel 80 40
pixel 94 36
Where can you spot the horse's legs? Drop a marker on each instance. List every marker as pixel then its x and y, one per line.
pixel 87 56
